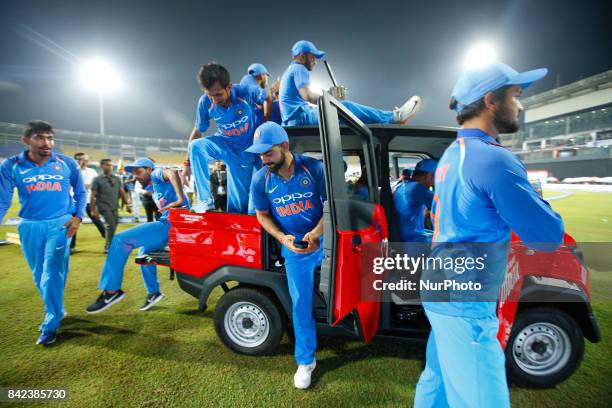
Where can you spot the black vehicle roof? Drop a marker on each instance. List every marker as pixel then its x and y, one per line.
pixel 432 140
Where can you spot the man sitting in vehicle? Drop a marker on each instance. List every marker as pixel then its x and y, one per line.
pixel 257 75
pixel 296 94
pixel 413 197
pixel 288 195
pixel 152 236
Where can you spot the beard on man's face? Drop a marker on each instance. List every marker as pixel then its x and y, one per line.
pixel 275 167
pixel 505 121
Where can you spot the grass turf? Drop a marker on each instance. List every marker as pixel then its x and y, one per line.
pixel 170 356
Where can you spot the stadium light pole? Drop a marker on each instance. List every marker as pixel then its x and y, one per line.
pixel 100 76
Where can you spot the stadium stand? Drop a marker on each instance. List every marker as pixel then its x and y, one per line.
pixel 168 152
pixel 568 130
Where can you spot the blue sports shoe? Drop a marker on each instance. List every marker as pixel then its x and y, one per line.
pixel 63 316
pixel 47 337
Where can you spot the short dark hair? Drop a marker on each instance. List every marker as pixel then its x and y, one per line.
pixel 78 154
pixel 475 108
pixel 36 126
pixel 105 161
pixel 211 73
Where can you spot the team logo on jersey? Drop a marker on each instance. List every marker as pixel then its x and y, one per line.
pixel 305 181
pixel 57 167
pixel 240 111
pixel 235 128
pixel 292 204
pixel 42 177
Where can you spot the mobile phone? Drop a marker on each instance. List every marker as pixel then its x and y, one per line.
pixel 300 244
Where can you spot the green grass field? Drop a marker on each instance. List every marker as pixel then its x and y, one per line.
pixel 170 356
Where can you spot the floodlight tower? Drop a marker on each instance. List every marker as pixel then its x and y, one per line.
pixel 100 76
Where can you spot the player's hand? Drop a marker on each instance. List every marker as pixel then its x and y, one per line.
pixel 95 214
pixel 287 240
pixel 129 209
pixel 72 226
pixel 314 242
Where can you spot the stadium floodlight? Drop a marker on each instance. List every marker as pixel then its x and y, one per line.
pixel 479 56
pixel 100 76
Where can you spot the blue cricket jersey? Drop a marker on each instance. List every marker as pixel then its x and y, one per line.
pixel 163 191
pixel 482 193
pixel 275 115
pixel 236 122
pixel 296 204
pixel 295 77
pixel 412 199
pixel 45 191
pixel 258 113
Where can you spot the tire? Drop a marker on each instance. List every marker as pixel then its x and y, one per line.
pixel 249 321
pixel 545 347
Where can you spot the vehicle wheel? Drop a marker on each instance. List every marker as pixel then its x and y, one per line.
pixel 249 321
pixel 546 347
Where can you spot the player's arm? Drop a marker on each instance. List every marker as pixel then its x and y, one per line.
pixel 93 200
pixel 126 199
pixel 202 122
pixel 173 177
pixel 515 200
pixel 7 186
pixel 301 79
pixel 308 94
pixel 269 224
pixel 314 236
pixel 80 197
pixel 262 207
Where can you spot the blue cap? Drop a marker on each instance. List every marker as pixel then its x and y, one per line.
pixel 303 46
pixel 266 136
pixel 146 163
pixel 426 166
pixel 474 84
pixel 257 69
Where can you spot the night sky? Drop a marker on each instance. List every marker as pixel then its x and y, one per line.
pixel 383 53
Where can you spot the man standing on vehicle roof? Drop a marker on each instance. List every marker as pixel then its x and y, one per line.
pixel 482 193
pixel 153 236
pixel 257 75
pixel 413 198
pixel 50 215
pixel 230 107
pixel 297 96
pixel 288 195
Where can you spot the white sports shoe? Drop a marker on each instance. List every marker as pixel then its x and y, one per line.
pixel 405 112
pixel 302 376
pixel 201 207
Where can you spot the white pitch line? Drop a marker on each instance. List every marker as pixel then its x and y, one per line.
pixel 561 196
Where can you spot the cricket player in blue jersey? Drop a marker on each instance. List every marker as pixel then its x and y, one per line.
pixel 230 107
pixel 50 216
pixel 297 98
pixel 288 195
pixel 413 198
pixel 257 75
pixel 153 236
pixel 482 194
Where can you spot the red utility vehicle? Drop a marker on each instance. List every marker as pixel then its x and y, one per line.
pixel 544 308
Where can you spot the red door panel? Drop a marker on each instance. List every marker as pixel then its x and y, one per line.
pixel 351 285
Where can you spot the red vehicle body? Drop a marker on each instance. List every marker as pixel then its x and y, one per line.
pixel 544 310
